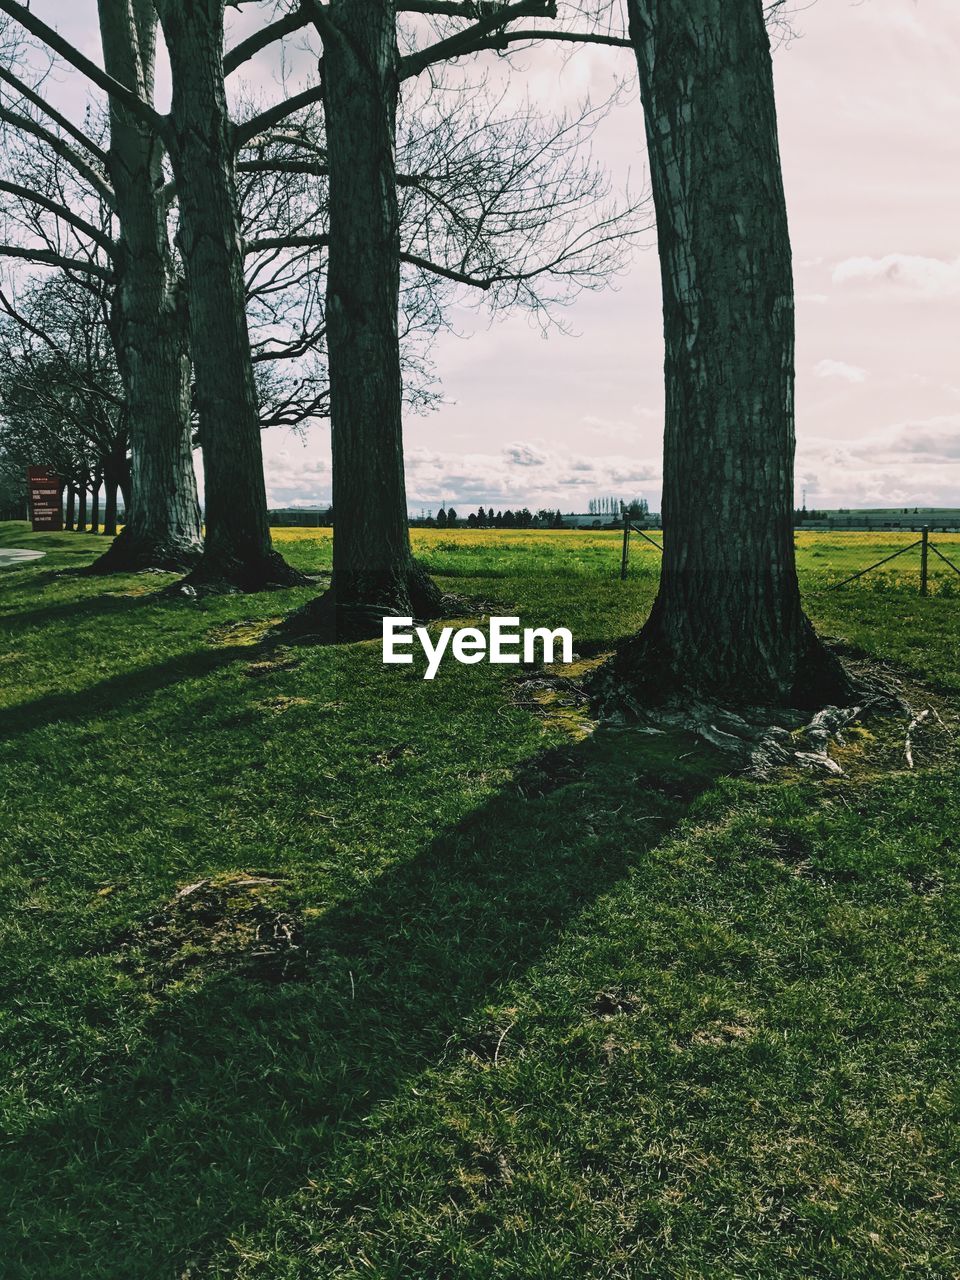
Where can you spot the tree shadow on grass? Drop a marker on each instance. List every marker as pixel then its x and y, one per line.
pixel 241 1089
pixel 74 611
pixel 117 691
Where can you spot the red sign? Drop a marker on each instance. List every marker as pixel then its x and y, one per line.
pixel 46 508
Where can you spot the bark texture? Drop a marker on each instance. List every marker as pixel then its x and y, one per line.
pixel 728 620
pixel 374 572
pixel 238 549
pixel 149 320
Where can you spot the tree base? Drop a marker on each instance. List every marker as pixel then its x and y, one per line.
pixel 128 554
pixel 224 575
pixel 358 615
pixel 646 673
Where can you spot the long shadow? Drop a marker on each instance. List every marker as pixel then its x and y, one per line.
pixel 70 611
pixel 241 1090
pixel 107 695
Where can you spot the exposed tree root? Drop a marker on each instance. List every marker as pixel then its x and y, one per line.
pixel 762 739
pixel 221 575
pixel 929 713
pixel 340 616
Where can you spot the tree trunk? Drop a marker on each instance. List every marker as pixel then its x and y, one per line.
pixel 238 549
pixel 81 525
pixel 374 572
pixel 727 621
pixel 125 482
pixel 95 504
pixel 71 516
pixel 110 486
pixel 162 528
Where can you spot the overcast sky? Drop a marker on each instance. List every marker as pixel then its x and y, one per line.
pixel 869 106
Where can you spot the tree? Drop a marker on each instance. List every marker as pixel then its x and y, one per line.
pixel 62 400
pixel 557 522
pixel 198 141
pixel 97 212
pixel 14 500
pixel 727 621
pixel 373 567
pixel 201 140
pixel 451 518
pixel 441 519
pixel 163 524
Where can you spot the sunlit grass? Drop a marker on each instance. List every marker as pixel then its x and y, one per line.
pixel 595 1014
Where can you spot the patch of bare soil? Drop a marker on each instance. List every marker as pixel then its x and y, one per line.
pixel 237 923
pixel 560 699
pixel 248 632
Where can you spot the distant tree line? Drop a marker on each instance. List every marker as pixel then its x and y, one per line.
pixel 447 518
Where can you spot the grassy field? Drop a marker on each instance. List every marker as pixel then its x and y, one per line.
pixel 313 969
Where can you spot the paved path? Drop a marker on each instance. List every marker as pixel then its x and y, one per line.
pixel 10 556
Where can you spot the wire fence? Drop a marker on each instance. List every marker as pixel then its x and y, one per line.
pixel 917 561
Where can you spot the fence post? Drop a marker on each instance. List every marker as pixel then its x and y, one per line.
pixel 924 560
pixel 626 548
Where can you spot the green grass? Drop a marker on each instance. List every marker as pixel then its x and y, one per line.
pixel 600 1013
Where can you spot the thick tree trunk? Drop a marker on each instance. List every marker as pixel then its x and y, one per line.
pixel 727 621
pixel 95 504
pixel 70 518
pixel 238 550
pixel 149 323
pixel 373 567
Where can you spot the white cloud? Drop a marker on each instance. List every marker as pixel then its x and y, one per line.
pixel 838 369
pixel 912 463
pixel 524 455
pixel 911 274
pixel 524 473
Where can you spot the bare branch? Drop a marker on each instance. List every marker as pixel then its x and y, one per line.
pixel 465 42
pixel 249 48
pixel 263 243
pixel 63 150
pixel 443 8
pixel 41 104
pixel 311 168
pixel 448 273
pixel 59 211
pixel 507 38
pixel 51 37
pixel 48 258
pixel 245 132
